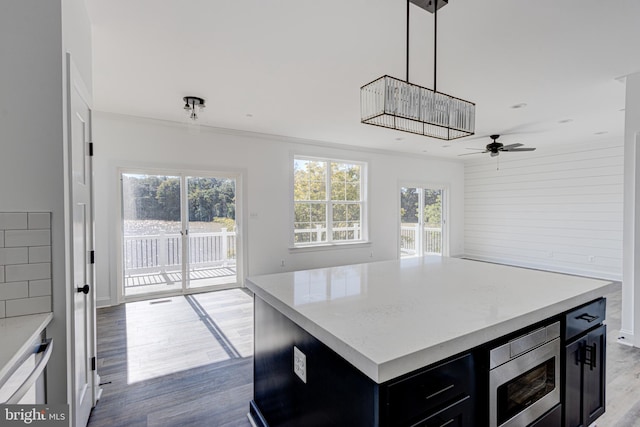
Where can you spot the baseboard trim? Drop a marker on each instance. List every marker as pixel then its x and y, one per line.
pixel 626 338
pixel 553 269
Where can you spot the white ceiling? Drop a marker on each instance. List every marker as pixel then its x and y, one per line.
pixel 295 67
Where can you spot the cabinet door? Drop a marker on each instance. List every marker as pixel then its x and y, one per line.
pixel 573 384
pixel 585 378
pixel 594 374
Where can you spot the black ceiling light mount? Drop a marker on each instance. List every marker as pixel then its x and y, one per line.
pixel 193 105
pixel 396 104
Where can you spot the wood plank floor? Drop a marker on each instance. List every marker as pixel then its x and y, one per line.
pixel 186 361
pixel 179 361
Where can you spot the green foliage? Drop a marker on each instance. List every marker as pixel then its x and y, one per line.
pixel 409 206
pixel 432 208
pixel 152 197
pixel 227 223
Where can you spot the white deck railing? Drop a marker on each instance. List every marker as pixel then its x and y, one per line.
pixel 431 240
pixel 318 234
pixel 163 252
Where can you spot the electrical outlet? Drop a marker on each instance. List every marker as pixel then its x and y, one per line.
pixel 300 364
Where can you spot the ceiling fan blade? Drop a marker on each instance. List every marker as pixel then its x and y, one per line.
pixel 521 149
pixel 510 146
pixel 478 152
pixel 469 148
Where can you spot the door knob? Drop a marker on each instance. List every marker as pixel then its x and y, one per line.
pixel 84 289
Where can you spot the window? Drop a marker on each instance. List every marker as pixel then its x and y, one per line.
pixel 328 199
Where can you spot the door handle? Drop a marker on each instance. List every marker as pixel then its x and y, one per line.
pixel 589 318
pixel 84 289
pixel 46 348
pixel 589 354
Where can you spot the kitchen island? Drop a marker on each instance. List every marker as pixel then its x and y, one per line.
pixel 330 341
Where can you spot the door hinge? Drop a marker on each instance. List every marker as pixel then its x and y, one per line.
pixel 93 363
pixel 91 149
pixel 92 256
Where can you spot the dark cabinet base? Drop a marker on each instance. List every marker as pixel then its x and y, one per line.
pixel 553 418
pixel 338 394
pixel 335 394
pixel 585 360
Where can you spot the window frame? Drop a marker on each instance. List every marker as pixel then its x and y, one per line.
pixel 328 202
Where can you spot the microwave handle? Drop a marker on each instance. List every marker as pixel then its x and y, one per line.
pixel 47 347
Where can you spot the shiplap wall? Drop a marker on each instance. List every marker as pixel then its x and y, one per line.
pixel 557 209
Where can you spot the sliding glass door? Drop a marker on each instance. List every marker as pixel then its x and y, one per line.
pixel 211 231
pixel 179 233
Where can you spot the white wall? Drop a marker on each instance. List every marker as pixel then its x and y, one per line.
pixel 32 128
pixel 558 209
pixel 631 277
pixel 123 141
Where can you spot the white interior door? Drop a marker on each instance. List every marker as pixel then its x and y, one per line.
pixel 83 344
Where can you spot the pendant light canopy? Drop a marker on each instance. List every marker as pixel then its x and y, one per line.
pixel 396 104
pixel 192 106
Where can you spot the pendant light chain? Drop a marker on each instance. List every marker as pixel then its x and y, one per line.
pixel 435 44
pixel 408 1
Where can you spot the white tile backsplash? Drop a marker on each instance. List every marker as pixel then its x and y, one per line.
pixel 15 256
pixel 14 290
pixel 22 307
pixel 38 288
pixel 25 263
pixel 13 221
pixel 39 220
pixel 20 272
pixel 39 254
pixel 20 238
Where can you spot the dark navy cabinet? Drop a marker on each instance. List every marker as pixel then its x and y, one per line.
pixel 585 356
pixel 338 394
pixel 440 395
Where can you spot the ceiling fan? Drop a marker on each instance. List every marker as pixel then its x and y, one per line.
pixel 496 147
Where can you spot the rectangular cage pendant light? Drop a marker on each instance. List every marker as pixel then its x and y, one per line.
pixel 396 104
pixel 401 105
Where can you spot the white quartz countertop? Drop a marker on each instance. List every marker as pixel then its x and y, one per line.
pixel 389 318
pixel 16 336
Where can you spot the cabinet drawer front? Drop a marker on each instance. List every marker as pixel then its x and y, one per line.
pixel 458 414
pixel 553 418
pixel 584 318
pixel 429 391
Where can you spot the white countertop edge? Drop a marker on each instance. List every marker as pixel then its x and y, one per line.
pixel 389 370
pixel 19 332
pixel 395 368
